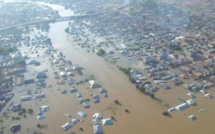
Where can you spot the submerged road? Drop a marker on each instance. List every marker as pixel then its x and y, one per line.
pixel 49 21
pixel 61 18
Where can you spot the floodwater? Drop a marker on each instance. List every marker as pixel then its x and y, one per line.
pixel 61 10
pixel 145 113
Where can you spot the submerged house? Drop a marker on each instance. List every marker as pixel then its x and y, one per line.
pixel 182 106
pixel 94 84
pixel 66 126
pixel 41 75
pixel 25 98
pixel 107 121
pixel 14 128
pixel 97 129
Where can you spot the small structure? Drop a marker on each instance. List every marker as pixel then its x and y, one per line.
pixel 75 120
pixel 70 74
pixel 97 129
pixel 192 117
pixel 96 121
pixel 41 117
pixel 81 100
pixel 45 108
pixel 33 62
pixel 16 107
pixel 68 115
pixel 25 98
pixel 95 96
pixel 15 128
pixel 96 100
pixel 102 90
pixel 182 106
pixel 82 114
pixel 77 68
pixel 63 91
pixel 98 115
pixel 105 95
pixel 107 121
pixel 191 102
pixel 63 74
pixel 191 95
pixel 171 109
pixel 148 59
pixel 94 84
pixel 79 94
pixel 85 104
pixel 208 96
pixel 41 75
pixel 73 90
pixel 68 69
pixel 66 126
pixel 39 96
pixel 202 91
pixel 60 82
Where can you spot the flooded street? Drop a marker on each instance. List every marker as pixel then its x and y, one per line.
pixel 136 112
pixel 146 114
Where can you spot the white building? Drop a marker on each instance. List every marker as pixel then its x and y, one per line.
pixel 182 106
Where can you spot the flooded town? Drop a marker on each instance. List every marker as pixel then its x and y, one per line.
pixel 107 67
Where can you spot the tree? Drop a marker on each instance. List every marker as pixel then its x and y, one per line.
pixel 142 88
pixel 152 95
pixel 100 52
pixel 38 126
pixel 165 113
pixel 30 111
pixel 61 54
pixel 20 113
pixel 132 80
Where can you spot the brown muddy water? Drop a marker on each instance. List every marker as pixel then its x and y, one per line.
pixel 145 115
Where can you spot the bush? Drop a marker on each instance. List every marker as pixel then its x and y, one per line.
pixel 24 116
pixel 20 113
pixel 30 111
pixel 142 88
pixel 152 95
pixel 81 129
pixel 101 52
pixel 165 113
pixel 23 110
pixel 132 80
pixel 38 126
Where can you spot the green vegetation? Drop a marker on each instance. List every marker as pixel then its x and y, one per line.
pixel 39 126
pixel 57 77
pixel 16 118
pixel 127 111
pixel 19 62
pixel 131 79
pixel 125 70
pixel 6 50
pixel 80 72
pixel 20 113
pixel 30 111
pixel 100 52
pixel 117 102
pixel 1 120
pixel 165 113
pixel 152 95
pixel 24 110
pixel 81 129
